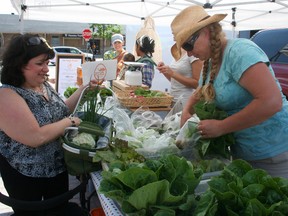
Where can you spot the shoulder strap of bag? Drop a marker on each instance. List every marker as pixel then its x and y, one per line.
pixel 120 56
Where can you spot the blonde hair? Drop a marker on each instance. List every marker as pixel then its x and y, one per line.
pixel 206 91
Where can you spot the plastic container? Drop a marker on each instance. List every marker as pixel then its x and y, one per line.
pixel 133 78
pixel 97 212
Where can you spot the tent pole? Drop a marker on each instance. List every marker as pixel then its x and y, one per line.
pixel 233 23
pixel 23 10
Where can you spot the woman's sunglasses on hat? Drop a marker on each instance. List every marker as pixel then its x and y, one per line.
pixel 34 41
pixel 189 44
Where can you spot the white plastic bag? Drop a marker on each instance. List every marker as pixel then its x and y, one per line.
pixel 143 117
pixel 188 134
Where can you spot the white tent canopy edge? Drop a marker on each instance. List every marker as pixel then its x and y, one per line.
pixel 247 15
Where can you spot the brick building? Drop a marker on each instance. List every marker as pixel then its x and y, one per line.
pixel 56 33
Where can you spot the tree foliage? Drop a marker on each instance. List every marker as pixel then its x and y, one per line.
pixel 105 31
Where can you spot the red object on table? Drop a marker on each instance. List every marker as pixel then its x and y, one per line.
pixel 97 212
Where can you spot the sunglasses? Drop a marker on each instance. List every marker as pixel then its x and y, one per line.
pixel 189 44
pixel 34 41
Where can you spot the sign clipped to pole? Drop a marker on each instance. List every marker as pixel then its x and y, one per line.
pixel 86 34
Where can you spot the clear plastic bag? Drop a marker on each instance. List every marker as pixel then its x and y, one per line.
pixel 143 117
pixel 188 134
pixel 171 123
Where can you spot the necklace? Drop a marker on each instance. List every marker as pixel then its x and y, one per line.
pixel 42 91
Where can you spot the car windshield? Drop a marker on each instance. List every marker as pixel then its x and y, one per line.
pixel 74 51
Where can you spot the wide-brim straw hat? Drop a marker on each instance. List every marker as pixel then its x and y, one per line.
pixel 175 52
pixel 189 21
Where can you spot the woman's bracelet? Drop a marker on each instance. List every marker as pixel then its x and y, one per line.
pixel 73 123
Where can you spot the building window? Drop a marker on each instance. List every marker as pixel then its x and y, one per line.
pixel 55 41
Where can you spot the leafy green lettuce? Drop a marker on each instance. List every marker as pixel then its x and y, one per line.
pixel 213 146
pixel 155 187
pixel 241 190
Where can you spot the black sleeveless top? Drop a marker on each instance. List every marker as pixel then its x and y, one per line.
pixel 46 160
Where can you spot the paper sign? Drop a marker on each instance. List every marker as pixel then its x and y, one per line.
pixel 66 71
pixel 99 70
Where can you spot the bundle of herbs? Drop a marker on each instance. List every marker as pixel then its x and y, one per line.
pixel 95 125
pixel 92 104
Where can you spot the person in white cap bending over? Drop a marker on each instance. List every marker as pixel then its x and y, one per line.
pixel 118 53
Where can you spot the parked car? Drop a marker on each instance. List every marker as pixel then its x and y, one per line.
pixel 71 50
pixel 274 42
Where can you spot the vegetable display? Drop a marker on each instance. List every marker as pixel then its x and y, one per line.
pixel 241 190
pixel 141 92
pixel 155 187
pixel 167 187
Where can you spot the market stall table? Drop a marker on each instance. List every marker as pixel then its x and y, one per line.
pixel 109 206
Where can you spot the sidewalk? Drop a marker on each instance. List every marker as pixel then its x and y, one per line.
pixel 4 210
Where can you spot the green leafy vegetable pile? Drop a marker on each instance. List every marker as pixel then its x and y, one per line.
pixel 69 91
pixel 119 154
pixel 214 146
pixel 146 93
pixel 155 187
pixel 210 165
pixel 241 190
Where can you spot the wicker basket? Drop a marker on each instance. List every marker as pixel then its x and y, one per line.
pixel 129 101
pixel 120 85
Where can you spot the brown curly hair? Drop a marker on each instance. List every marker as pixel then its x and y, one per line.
pixel 17 54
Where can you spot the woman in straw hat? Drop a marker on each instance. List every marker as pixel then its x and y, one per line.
pixel 183 72
pixel 238 78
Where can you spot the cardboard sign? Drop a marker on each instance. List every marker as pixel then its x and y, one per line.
pixel 99 70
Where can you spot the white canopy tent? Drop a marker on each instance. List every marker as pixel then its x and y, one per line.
pixel 242 14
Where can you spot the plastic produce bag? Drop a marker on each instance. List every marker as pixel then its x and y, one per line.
pixel 145 118
pixel 188 135
pixel 122 121
pixel 154 147
pixel 171 123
